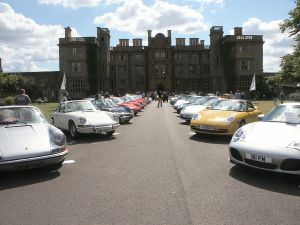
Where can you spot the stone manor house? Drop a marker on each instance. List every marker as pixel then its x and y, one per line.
pixel 91 65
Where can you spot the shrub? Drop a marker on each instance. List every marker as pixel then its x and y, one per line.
pixel 9 101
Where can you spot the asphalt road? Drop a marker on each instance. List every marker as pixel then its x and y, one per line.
pixel 153 171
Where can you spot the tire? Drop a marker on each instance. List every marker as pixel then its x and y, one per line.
pixel 72 129
pixel 110 133
pixel 242 123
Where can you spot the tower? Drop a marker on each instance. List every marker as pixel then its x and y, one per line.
pixel 106 82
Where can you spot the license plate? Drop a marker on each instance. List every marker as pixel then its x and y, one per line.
pixel 102 130
pixel 259 158
pixel 204 127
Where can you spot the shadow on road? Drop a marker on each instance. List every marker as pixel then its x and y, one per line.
pixel 184 123
pixel 90 138
pixel 213 139
pixel 281 183
pixel 11 180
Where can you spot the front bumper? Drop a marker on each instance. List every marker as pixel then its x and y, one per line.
pixel 97 129
pixel 283 160
pixel 35 162
pixel 214 128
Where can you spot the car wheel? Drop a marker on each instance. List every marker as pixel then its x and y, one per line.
pixel 110 133
pixel 242 123
pixel 135 113
pixel 73 130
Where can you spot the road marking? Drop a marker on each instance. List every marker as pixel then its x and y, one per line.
pixel 116 133
pixel 192 133
pixel 69 161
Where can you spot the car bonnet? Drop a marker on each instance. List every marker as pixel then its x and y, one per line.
pixel 24 141
pixel 272 133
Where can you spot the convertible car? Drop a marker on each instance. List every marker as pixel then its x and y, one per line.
pixel 272 143
pixel 224 117
pixel 29 141
pixel 81 116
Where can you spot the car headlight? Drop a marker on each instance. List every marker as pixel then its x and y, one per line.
pixel 196 116
pixel 295 145
pixel 116 117
pixel 57 138
pixel 230 119
pixel 239 135
pixel 82 120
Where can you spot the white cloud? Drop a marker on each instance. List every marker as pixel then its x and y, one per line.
pixel 24 44
pixel 75 4
pixel 135 17
pixel 276 44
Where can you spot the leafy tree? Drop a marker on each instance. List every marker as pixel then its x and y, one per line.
pixel 12 83
pixel 290 64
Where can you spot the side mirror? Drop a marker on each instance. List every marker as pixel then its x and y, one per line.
pixel 260 116
pixel 250 110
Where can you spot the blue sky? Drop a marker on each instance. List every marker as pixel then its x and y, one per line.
pixel 30 29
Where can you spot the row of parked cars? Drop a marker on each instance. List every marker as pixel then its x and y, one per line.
pixel 268 142
pixel 28 140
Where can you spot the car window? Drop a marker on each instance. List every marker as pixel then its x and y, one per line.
pixel 20 115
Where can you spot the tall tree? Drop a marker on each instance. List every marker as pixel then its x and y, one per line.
pixel 290 64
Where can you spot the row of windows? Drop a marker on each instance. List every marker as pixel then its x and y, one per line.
pixel 76 86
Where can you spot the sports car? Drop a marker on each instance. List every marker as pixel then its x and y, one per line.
pixel 29 141
pixel 82 117
pixel 188 111
pixel 224 117
pixel 272 143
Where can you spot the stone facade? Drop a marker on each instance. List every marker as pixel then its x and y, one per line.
pixel 227 64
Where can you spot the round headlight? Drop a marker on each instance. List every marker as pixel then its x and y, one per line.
pixel 82 120
pixel 59 139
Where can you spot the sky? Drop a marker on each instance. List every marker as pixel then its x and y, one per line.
pixel 30 29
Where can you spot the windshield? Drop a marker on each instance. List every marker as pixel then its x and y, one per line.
pixel 20 115
pixel 229 105
pixel 80 106
pixel 284 114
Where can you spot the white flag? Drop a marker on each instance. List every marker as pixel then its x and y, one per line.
pixel 63 83
pixel 253 84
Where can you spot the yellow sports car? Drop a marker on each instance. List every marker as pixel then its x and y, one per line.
pixel 224 117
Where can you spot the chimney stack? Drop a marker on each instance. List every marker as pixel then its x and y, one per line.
pixel 68 32
pixel 238 31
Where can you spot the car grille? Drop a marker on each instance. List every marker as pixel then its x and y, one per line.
pixel 291 165
pixel 269 166
pixel 235 154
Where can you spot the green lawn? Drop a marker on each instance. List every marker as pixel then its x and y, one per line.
pixel 47 108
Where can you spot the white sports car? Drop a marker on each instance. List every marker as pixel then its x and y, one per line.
pixel 272 143
pixel 81 116
pixel 28 140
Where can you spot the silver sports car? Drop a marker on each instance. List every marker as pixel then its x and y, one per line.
pixel 28 140
pixel 272 143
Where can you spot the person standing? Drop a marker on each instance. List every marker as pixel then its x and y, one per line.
pixel 159 96
pixel 22 98
pixel 65 97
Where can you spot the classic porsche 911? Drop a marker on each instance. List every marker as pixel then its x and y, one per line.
pixel 272 143
pixel 82 117
pixel 224 117
pixel 29 141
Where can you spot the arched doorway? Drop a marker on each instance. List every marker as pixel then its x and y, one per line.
pixel 160 86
